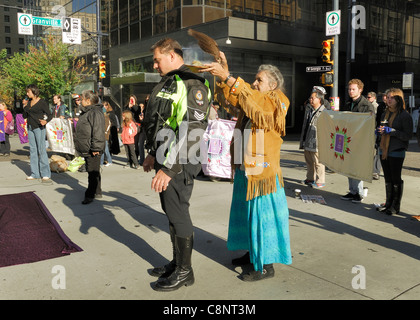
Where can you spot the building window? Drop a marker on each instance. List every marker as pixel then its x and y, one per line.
pixel 8 40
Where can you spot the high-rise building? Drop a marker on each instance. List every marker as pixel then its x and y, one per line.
pixel 9 37
pixel 286 33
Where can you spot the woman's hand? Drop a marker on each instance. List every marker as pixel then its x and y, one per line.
pixel 220 70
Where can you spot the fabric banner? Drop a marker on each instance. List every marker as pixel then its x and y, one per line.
pixel 60 135
pixel 215 148
pixel 2 127
pixel 346 143
pixel 22 129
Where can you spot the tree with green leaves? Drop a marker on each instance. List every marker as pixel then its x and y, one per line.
pixel 53 68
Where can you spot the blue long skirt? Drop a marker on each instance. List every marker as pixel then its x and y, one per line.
pixel 260 225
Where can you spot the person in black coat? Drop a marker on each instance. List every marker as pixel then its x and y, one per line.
pixel 90 142
pixel 395 130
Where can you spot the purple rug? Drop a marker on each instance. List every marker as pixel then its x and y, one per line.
pixel 28 231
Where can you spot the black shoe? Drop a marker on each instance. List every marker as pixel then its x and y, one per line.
pixel 87 201
pixel 164 271
pixel 357 198
pixel 183 274
pixel 268 272
pixel 308 182
pixel 244 260
pixel 348 196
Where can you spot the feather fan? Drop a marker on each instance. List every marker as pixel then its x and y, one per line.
pixel 206 43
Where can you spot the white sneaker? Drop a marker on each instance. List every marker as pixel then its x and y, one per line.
pixel 30 178
pixel 108 164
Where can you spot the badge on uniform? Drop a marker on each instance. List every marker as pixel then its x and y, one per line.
pixel 198 95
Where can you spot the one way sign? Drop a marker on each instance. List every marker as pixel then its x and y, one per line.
pixel 333 23
pixel 72 31
pixel 25 24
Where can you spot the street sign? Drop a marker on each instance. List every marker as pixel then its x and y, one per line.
pixel 333 23
pixel 407 81
pixel 72 31
pixel 25 24
pixel 319 68
pixel 48 22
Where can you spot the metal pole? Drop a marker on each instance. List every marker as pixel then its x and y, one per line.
pixel 99 43
pixel 336 51
pixel 350 43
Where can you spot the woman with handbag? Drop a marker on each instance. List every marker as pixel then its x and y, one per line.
pixel 8 129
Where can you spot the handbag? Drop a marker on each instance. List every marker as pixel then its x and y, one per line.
pixel 10 127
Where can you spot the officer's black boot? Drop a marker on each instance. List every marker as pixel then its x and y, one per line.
pixel 183 274
pixel 167 269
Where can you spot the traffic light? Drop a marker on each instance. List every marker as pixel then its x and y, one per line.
pixel 327 79
pixel 327 51
pixel 102 69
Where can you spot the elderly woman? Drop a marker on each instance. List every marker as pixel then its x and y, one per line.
pixel 396 130
pixel 90 142
pixel 259 213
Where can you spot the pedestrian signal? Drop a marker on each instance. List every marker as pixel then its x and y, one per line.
pixel 102 69
pixel 327 79
pixel 327 51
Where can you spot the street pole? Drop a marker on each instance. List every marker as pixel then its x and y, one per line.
pixel 99 44
pixel 350 43
pixel 336 51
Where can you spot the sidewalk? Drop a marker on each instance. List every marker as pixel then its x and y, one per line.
pixel 125 233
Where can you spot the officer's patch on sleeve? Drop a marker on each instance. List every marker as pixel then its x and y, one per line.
pixel 198 96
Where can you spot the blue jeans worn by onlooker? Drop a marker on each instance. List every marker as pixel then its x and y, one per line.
pixel 107 154
pixel 40 167
pixel 356 186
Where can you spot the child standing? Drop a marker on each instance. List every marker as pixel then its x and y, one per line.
pixel 128 133
pixel 8 117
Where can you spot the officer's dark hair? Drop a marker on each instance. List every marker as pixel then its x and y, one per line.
pixel 167 45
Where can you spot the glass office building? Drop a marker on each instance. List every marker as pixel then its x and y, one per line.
pixel 286 33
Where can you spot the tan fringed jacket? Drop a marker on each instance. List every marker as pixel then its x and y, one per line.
pixel 261 157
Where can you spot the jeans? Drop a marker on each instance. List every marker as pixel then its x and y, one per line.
pixel 107 154
pixel 40 166
pixel 356 186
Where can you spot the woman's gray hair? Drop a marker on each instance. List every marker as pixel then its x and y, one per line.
pixel 274 75
pixel 90 95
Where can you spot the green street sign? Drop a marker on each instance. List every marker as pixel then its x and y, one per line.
pixel 49 22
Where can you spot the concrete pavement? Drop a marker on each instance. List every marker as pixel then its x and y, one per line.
pixel 125 233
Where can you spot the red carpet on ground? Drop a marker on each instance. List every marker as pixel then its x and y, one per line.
pixel 28 231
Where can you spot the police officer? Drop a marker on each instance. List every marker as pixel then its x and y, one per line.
pixel 177 105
